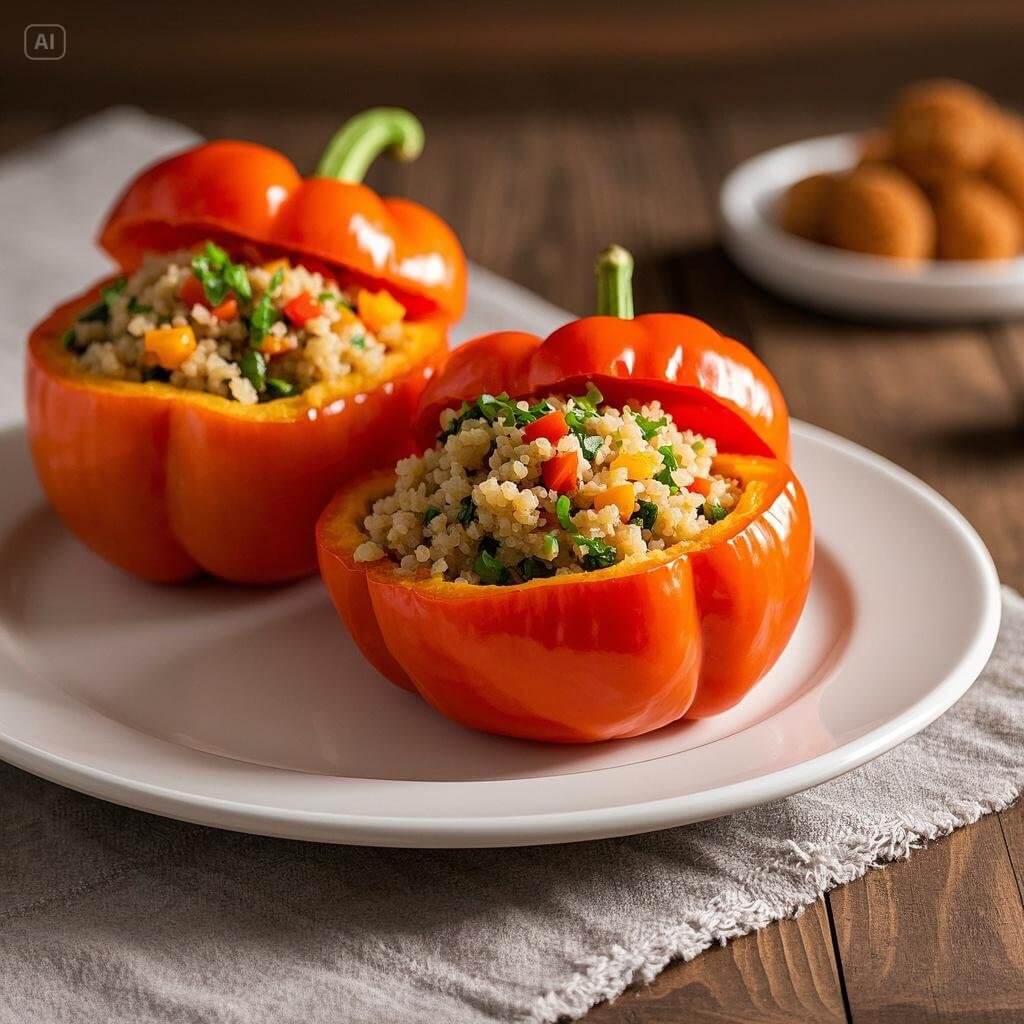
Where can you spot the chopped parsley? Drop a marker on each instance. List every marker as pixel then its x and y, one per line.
pixel 254 369
pixel 534 569
pixel 646 514
pixel 277 388
pixel 598 554
pixel 467 511
pixel 670 464
pixel 714 513
pixel 430 514
pixel 649 427
pixel 359 341
pixel 264 314
pixel 489 568
pixel 563 509
pixel 100 313
pixel 134 306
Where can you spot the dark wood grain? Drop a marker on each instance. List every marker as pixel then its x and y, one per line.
pixel 935 938
pixel 785 974
pixel 567 127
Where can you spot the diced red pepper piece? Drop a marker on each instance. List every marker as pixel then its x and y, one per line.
pixel 700 486
pixel 228 309
pixel 302 309
pixel 192 293
pixel 552 426
pixel 560 472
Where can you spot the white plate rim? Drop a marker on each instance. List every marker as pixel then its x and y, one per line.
pixel 561 826
pixel 849 282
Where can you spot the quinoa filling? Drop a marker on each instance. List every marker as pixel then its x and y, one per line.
pixel 249 333
pixel 513 492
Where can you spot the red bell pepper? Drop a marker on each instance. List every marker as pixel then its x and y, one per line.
pixel 166 482
pixel 622 650
pixel 302 309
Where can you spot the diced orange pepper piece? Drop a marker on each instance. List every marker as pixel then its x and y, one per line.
pixel 227 310
pixel 638 465
pixel 272 345
pixel 275 265
pixel 700 486
pixel 378 309
pixel 171 346
pixel 622 496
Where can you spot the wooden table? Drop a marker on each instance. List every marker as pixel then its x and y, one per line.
pixel 538 165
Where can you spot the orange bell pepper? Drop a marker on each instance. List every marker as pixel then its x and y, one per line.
pixel 683 632
pixel 166 483
pixel 594 656
pixel 622 496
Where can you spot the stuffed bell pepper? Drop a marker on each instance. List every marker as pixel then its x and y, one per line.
pixel 601 535
pixel 266 339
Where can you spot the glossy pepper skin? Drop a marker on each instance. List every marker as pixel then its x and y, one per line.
pixel 240 192
pixel 167 483
pixel 684 632
pixel 710 383
pixel 594 656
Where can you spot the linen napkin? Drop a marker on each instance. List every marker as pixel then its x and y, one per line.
pixel 115 917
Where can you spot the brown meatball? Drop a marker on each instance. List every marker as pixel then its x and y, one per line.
pixel 976 222
pixel 802 211
pixel 1006 168
pixel 875 148
pixel 942 129
pixel 878 210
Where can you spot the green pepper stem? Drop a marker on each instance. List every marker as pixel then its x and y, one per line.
pixel 615 283
pixel 362 139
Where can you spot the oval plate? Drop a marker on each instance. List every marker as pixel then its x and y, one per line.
pixel 250 709
pixel 844 282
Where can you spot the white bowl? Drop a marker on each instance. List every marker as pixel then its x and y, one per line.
pixel 842 282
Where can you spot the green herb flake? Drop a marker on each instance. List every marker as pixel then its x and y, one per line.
pixel 599 554
pixel 467 511
pixel 490 569
pixel 100 313
pixel 254 369
pixel 591 445
pixel 237 280
pixel 430 514
pixel 69 338
pixel 328 297
pixel 113 292
pixel 563 509
pixel 670 463
pixel 697 446
pixel 550 549
pixel 359 341
pixel 646 514
pixel 134 306
pixel 278 388
pixel 649 427
pixel 714 513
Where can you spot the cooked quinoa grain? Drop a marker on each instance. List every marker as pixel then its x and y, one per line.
pixel 512 492
pixel 249 333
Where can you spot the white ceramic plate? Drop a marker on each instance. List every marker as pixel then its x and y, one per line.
pixel 251 709
pixel 841 282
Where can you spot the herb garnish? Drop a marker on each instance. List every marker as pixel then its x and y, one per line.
pixel 467 511
pixel 254 369
pixel 599 555
pixel 100 313
pixel 264 314
pixel 531 568
pixel 714 513
pixel 670 464
pixel 214 270
pixel 278 388
pixel 430 514
pixel 646 514
pixel 649 427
